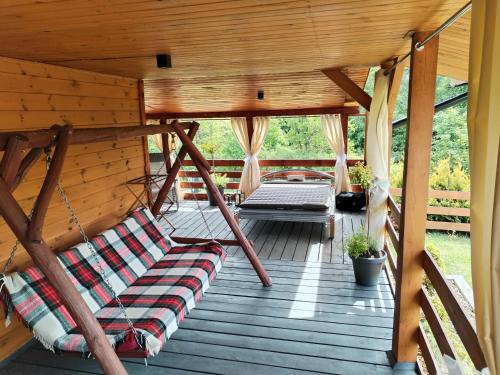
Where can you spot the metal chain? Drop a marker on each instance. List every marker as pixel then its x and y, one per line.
pixel 74 219
pixel 13 252
pixel 196 199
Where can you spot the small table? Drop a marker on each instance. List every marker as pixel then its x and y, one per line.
pixel 148 183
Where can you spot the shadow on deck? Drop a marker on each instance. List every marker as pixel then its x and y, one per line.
pixel 314 319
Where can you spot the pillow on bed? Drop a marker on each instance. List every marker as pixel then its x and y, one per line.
pixel 296 177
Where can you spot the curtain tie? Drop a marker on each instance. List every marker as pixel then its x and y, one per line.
pixel 341 158
pixel 379 184
pixel 250 158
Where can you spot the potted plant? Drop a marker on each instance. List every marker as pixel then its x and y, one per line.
pixel 367 260
pixel 220 180
pixel 361 176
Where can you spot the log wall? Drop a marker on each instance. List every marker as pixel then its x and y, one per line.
pixel 34 96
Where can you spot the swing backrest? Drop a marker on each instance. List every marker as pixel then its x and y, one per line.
pixel 124 253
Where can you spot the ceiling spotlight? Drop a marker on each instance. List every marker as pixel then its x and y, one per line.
pixel 163 61
pixel 260 94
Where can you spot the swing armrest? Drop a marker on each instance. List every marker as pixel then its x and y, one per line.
pixel 196 240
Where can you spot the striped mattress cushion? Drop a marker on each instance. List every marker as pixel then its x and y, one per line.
pixel 304 196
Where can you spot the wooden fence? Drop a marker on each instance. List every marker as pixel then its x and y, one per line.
pixel 458 316
pixel 445 211
pixel 190 179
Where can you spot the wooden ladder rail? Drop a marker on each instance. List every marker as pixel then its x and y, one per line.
pixel 204 168
pixel 46 260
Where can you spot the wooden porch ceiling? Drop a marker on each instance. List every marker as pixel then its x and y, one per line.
pixel 224 51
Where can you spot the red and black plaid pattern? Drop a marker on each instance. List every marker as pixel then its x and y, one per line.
pixel 157 284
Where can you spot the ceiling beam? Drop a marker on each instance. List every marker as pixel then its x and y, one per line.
pixel 349 87
pixel 270 112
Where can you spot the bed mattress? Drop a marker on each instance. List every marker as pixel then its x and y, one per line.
pixel 290 196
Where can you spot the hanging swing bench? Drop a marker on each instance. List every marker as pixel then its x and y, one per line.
pixel 124 291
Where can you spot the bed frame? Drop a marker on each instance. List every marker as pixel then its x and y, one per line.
pixel 324 216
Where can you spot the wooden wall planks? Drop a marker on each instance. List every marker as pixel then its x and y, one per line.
pixel 34 96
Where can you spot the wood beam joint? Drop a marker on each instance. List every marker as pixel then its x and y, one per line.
pixel 349 87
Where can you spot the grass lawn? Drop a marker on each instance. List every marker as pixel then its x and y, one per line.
pixel 455 252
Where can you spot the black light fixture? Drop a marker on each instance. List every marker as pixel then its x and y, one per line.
pixel 163 61
pixel 260 94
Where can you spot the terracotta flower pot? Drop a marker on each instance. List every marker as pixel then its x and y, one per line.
pixel 356 188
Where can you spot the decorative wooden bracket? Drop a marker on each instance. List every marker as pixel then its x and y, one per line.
pixel 349 87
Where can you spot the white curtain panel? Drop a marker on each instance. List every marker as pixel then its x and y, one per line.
pixel 483 119
pixel 332 126
pixel 377 156
pixel 250 176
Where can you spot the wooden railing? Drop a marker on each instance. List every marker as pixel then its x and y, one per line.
pixel 463 324
pixel 445 211
pixel 190 179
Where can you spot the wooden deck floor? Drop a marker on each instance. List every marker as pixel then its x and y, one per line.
pixel 272 240
pixel 313 320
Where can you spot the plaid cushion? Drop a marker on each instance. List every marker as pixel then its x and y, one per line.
pixel 157 301
pixel 125 253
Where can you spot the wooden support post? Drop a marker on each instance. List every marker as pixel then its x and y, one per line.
pixel 12 160
pixel 167 185
pixel 414 200
pixel 45 259
pixel 344 119
pixel 165 141
pixel 49 185
pixel 394 85
pixel 250 128
pixel 145 145
pixel 349 87
pixel 197 158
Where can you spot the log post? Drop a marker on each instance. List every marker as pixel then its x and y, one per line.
pixel 414 201
pixel 29 160
pixel 167 185
pixel 145 145
pixel 165 141
pixel 49 185
pixel 249 120
pixel 12 160
pixel 197 157
pixel 344 120
pixel 45 259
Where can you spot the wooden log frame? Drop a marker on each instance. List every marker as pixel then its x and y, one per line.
pixel 49 185
pixel 13 166
pixel 200 161
pixel 46 260
pixel 174 170
pixel 44 138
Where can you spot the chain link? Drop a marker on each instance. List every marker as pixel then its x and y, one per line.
pixel 12 255
pixel 196 200
pixel 76 221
